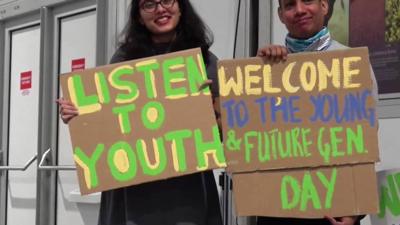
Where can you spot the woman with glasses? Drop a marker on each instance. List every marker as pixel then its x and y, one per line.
pixel 158 27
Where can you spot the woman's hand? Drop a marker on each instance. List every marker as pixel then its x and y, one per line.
pixel 275 53
pixel 346 220
pixel 67 110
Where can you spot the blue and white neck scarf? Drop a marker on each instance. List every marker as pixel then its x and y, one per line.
pixel 319 42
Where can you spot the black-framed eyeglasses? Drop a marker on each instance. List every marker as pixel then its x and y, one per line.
pixel 151 6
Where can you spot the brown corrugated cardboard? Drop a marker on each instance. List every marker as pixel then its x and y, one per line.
pixel 275 119
pixel 128 108
pixel 298 123
pixel 294 193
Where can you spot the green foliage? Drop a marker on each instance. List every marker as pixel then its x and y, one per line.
pixel 392 21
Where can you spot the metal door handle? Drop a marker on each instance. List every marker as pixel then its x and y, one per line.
pixel 61 167
pixel 19 168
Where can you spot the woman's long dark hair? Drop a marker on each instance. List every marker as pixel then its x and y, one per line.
pixel 191 32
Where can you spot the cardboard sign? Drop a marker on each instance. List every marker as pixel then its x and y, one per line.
pixel 389 198
pixel 310 193
pixel 142 120
pixel 314 110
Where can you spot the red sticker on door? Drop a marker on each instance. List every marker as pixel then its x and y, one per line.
pixel 26 80
pixel 78 64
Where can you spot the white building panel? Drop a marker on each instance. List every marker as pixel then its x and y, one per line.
pixel 23 124
pixel 77 43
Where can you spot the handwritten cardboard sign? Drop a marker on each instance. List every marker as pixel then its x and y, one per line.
pixel 389 198
pixel 284 122
pixel 142 120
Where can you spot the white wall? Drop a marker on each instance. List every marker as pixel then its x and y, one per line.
pixel 23 123
pixel 389 144
pixel 220 16
pixel 78 40
pixel 279 30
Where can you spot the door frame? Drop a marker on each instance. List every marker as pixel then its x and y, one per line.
pixel 7 27
pixel 49 118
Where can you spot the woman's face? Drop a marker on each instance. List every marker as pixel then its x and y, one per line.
pixel 160 17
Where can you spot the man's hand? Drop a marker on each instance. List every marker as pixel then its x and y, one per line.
pixel 346 220
pixel 274 53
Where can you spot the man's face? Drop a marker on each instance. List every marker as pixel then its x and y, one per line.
pixel 303 18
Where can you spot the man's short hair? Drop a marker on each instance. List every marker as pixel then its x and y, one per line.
pixel 331 4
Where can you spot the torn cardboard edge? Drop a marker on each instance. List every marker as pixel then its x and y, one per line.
pixel 311 193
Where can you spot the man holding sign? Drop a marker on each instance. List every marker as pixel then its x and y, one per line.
pixel 304 20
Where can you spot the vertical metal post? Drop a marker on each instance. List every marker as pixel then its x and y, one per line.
pixel 227 216
pixel 3 153
pixel 46 180
pixel 241 31
pixel 2 49
pixel 247 29
pixel 253 26
pixel 102 32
